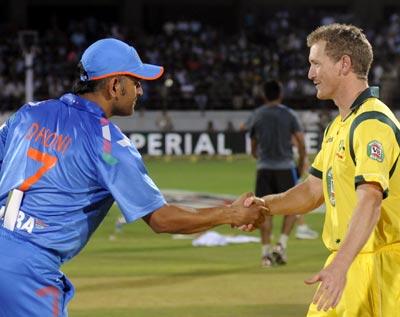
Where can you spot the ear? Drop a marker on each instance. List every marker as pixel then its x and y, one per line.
pixel 346 65
pixel 112 86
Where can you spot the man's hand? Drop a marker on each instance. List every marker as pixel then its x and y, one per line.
pixel 333 281
pixel 362 223
pixel 248 215
pixel 249 200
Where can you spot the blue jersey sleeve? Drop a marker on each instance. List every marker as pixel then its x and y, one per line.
pixel 123 173
pixel 3 138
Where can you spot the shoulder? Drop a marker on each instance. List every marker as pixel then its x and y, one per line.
pixel 115 142
pixel 373 112
pixel 286 109
pixel 41 105
pixel 257 114
pixel 32 111
pixel 373 123
pixel 260 109
pixel 289 112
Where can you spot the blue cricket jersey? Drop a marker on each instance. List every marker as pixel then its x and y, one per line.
pixel 72 163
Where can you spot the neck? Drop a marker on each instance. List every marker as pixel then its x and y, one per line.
pixel 347 94
pixel 275 102
pixel 100 101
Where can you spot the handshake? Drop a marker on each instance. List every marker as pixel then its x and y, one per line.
pixel 248 212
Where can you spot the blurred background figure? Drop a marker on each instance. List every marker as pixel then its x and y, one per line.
pixel 272 128
pixel 303 231
pixel 164 122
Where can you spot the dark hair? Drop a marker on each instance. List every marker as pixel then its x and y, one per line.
pixel 81 87
pixel 272 90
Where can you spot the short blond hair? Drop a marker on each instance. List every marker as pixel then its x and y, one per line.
pixel 343 39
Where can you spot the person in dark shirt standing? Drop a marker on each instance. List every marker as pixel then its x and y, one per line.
pixel 273 128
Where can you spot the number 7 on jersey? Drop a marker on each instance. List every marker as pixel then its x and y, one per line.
pixel 49 161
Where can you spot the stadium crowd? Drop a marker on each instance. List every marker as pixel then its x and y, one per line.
pixel 206 67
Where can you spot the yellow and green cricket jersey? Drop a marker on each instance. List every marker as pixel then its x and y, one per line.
pixel 364 147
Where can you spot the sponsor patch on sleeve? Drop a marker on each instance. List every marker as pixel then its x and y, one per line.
pixel 375 151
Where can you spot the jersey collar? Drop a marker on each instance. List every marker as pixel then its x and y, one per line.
pixel 370 92
pixel 82 104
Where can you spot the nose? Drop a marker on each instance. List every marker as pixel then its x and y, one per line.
pixel 311 73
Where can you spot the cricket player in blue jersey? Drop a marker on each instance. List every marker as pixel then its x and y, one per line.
pixel 63 164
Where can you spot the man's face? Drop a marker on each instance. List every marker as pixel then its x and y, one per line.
pixel 324 72
pixel 130 91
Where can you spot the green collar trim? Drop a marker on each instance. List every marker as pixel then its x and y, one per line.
pixel 367 93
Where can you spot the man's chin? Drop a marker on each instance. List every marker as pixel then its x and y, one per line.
pixel 321 96
pixel 125 113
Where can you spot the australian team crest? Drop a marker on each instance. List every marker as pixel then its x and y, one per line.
pixel 341 150
pixel 375 151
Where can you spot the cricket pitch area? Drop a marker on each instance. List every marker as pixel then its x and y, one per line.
pixel 142 274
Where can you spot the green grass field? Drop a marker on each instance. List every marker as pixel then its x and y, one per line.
pixel 147 275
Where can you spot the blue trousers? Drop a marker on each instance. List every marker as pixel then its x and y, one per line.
pixel 30 281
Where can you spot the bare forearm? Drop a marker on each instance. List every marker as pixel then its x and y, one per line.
pixel 187 220
pixel 300 199
pixel 177 219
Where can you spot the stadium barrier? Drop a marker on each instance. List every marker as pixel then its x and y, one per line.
pixel 201 143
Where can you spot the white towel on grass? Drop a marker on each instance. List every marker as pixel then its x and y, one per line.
pixel 213 239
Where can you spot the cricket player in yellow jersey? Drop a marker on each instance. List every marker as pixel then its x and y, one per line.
pixel 357 175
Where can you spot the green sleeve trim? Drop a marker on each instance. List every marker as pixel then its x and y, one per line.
pixel 361 180
pixel 315 172
pixel 393 167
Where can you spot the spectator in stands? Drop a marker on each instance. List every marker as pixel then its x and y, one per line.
pixel 164 122
pixel 206 56
pixel 210 127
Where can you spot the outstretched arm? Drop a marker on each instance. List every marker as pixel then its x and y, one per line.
pixel 300 199
pixel 176 219
pixel 363 221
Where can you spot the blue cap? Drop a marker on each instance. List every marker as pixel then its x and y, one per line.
pixel 109 57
